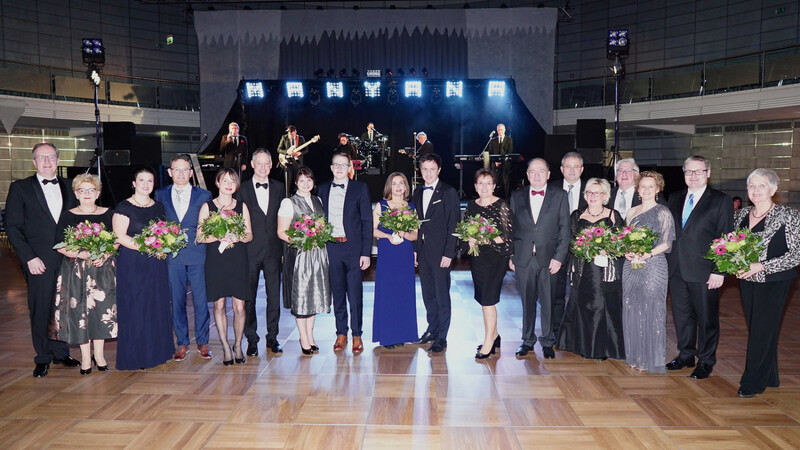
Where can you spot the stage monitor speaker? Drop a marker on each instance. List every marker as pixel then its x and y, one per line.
pixel 590 133
pixel 118 135
pixel 555 147
pixel 117 157
pixel 591 155
pixel 375 185
pixel 146 150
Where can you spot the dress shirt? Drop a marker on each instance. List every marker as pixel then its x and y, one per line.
pixel 262 195
pixel 181 199
pixel 427 194
pixel 698 194
pixel 623 203
pixel 536 202
pixel 336 208
pixel 52 194
pixel 574 195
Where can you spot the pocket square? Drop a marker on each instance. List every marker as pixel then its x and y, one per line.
pixel 437 201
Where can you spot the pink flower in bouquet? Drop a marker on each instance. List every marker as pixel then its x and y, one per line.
pixel 309 222
pixel 175 229
pixel 720 249
pixel 309 233
pixel 319 224
pixel 598 231
pixel 393 213
pixel 742 236
pixel 158 230
pixel 149 240
pixel 161 223
pixel 96 228
pixel 157 244
pixel 78 234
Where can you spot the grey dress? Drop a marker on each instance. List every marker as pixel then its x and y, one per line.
pixel 644 298
pixel 306 285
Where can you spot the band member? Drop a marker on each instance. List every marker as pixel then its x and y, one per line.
pixel 289 158
pixel 233 148
pixel 371 135
pixel 425 146
pixel 502 145
pixel 346 147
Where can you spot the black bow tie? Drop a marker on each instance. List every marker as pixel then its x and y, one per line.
pixel 427 187
pixel 54 181
pixel 338 185
pixel 264 185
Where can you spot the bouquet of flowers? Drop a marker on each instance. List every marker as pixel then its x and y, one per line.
pixel 479 228
pixel 735 251
pixel 638 239
pixel 90 236
pixel 223 225
pixel 161 238
pixel 595 243
pixel 399 219
pixel 310 231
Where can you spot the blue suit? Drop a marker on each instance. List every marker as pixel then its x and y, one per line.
pixel 189 266
pixel 344 257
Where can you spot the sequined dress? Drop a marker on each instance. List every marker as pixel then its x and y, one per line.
pixel 644 298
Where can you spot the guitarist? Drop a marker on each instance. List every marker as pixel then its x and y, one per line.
pixel 294 159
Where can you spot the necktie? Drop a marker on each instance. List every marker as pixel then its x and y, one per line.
pixel 262 185
pixel 687 210
pixel 427 187
pixel 54 181
pixel 235 140
pixel 338 185
pixel 569 197
pixel 623 204
pixel 535 193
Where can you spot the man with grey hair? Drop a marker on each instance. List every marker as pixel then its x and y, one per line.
pixel 425 146
pixel 701 215
pixel 624 195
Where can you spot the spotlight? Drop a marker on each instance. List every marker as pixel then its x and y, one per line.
pixel 342 73
pixel 294 89
pixel 497 89
pixel 318 73
pixel 436 96
pixel 93 51
pixel 617 68
pixel 356 72
pixel 389 73
pixel 313 96
pixel 412 71
pixel 330 72
pixel 334 89
pixel 392 97
pixel 94 76
pixel 254 89
pixel 372 89
pixel 355 96
pixel 413 89
pixel 401 73
pixel 617 44
pixel 425 72
pixel 454 89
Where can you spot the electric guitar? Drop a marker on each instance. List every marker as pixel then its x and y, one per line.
pixel 293 153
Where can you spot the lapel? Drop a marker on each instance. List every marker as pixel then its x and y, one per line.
pixel 324 193
pixel 39 193
pixel 437 194
pixel 525 204
pixel 168 206
pixel 546 202
pixel 65 197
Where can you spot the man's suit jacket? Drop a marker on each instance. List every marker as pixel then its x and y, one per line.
pixel 711 217
pixel 559 184
pixel 365 137
pixel 425 148
pixel 193 253
pixel 29 224
pixel 265 243
pixel 234 153
pixel 550 234
pixel 285 144
pixel 439 224
pixel 357 216
pixel 507 146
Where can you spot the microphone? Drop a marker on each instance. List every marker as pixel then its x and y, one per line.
pixel 491 136
pixel 376 131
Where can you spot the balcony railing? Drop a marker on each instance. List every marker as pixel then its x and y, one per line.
pixel 31 80
pixel 751 71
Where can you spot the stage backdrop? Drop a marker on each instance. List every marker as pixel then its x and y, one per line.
pixel 466 43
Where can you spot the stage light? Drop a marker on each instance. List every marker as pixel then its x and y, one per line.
pixel 356 72
pixel 412 71
pixel 425 72
pixel 93 51
pixel 254 89
pixel 391 96
pixel 373 73
pixel 389 73
pixel 355 96
pixel 454 89
pixel 497 89
pixel 319 73
pixel 294 89
pixel 401 73
pixel 372 89
pixel 334 89
pixel 413 89
pixel 617 43
pixel 436 96
pixel 342 73
pixel 313 96
pixel 330 72
pixel 94 76
pixel 617 68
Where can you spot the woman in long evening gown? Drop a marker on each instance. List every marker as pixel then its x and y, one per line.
pixel 306 278
pixel 644 291
pixel 592 324
pixel 394 316
pixel 224 275
pixel 85 310
pixel 143 295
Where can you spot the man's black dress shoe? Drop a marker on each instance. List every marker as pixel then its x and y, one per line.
pixel 524 349
pixel 275 347
pixel 67 361
pixel 252 349
pixel 40 370
pixel 744 393
pixel 548 352
pixel 438 347
pixel 426 337
pixel 678 364
pixel 701 372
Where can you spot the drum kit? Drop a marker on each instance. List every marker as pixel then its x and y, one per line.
pixel 372 155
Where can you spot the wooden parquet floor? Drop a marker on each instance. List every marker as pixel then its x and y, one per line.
pixel 402 398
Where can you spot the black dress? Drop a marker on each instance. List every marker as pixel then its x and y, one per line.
pixel 143 298
pixel 592 324
pixel 226 273
pixel 86 296
pixel 490 266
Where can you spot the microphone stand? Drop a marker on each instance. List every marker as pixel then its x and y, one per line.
pixel 414 180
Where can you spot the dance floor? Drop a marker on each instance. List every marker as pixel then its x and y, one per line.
pixel 402 398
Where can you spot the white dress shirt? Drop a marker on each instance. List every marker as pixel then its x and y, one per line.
pixel 181 199
pixel 623 203
pixel 427 194
pixel 574 197
pixel 52 194
pixel 336 208
pixel 262 195
pixel 698 194
pixel 536 202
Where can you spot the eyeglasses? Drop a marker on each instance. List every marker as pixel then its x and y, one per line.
pixel 485 183
pixel 627 171
pixel 695 172
pixel 572 167
pixel 86 191
pixel 594 193
pixel 340 166
pixel 42 158
pixel 180 170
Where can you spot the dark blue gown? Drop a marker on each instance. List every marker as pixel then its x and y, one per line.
pixel 394 318
pixel 144 315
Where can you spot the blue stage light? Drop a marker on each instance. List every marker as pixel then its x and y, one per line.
pixel 413 89
pixel 497 89
pixel 454 89
pixel 294 89
pixel 372 89
pixel 334 89
pixel 254 89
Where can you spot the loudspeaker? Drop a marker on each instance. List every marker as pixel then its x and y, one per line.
pixel 118 135
pixel 555 147
pixel 146 150
pixel 591 155
pixel 117 157
pixel 375 184
pixel 590 133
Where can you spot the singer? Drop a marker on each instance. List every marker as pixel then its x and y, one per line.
pixel 233 150
pixel 502 145
pixel 371 134
pixel 425 146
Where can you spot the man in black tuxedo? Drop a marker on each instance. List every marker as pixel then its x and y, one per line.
pixel 502 145
pixel 33 207
pixel 701 215
pixel 233 148
pixel 540 217
pixel 370 135
pixel 263 197
pixel 289 141
pixel 438 206
pixel 348 209
pixel 425 146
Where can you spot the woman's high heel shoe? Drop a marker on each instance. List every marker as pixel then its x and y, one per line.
pixel 241 360
pixel 227 362
pixel 100 368
pixel 87 371
pixel 309 351
pixel 314 348
pixel 480 355
pixel 495 345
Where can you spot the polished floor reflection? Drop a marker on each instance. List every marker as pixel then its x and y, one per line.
pixel 400 398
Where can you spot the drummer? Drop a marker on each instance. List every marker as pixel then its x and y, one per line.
pixel 346 146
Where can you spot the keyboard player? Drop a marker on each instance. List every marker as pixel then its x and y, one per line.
pixel 502 145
